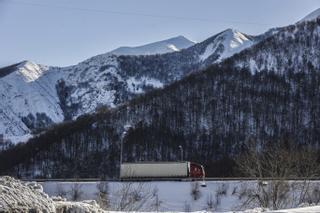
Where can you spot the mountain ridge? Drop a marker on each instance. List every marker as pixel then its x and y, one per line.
pixel 164 46
pixel 311 16
pixel 106 80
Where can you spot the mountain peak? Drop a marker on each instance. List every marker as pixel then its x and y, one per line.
pixel 169 45
pixel 180 38
pixel 27 63
pixel 231 40
pixel 230 30
pixel 313 15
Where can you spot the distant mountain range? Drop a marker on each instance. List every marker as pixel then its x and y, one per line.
pixel 36 96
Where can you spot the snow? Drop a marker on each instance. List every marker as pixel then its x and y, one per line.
pixel 210 49
pixel 78 207
pixel 232 41
pixel 315 14
pixel 173 48
pixel 175 194
pixel 18 196
pixel 30 71
pixel 312 209
pixel 160 47
pixel 135 85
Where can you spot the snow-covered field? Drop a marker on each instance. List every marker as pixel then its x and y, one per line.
pixel 18 196
pixel 221 196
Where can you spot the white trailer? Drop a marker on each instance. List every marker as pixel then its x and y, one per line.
pixel 154 170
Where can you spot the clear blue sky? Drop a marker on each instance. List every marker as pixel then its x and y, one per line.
pixel 65 32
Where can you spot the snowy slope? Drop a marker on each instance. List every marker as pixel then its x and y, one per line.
pixel 313 15
pixel 160 47
pixel 35 96
pixel 23 94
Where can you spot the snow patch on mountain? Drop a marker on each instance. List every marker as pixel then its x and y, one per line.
pixel 313 15
pixel 136 85
pixel 31 71
pixel 170 45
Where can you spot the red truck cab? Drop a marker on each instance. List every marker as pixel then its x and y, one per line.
pixel 196 170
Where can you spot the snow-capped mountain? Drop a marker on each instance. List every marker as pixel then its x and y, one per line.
pixel 224 45
pixel 313 15
pixel 35 96
pixel 170 45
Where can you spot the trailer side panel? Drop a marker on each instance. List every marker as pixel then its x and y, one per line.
pixel 153 170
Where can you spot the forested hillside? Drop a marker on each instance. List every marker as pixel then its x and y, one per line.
pixel 212 114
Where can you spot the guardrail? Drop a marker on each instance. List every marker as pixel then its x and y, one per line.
pixel 169 179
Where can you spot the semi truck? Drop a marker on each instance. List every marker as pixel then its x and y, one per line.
pixel 162 170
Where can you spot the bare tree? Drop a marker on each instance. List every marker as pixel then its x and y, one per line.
pixel 156 201
pixel 103 194
pixel 314 195
pixel 211 203
pixel 195 191
pixel 187 207
pixel 133 197
pixel 60 191
pixel 76 192
pixel 278 162
pixel 5 143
